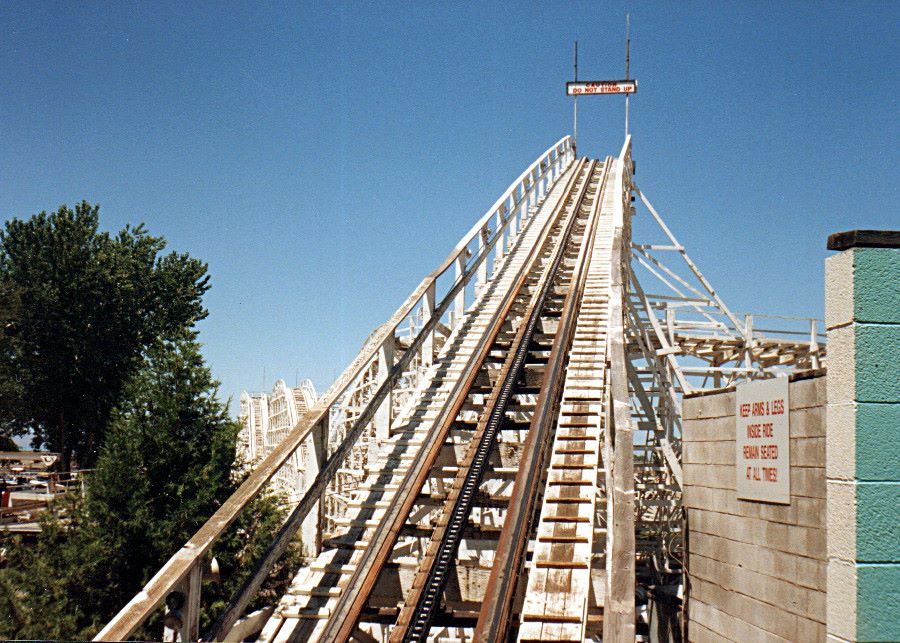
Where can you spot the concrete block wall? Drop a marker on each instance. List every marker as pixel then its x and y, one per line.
pixel 756 571
pixel 862 318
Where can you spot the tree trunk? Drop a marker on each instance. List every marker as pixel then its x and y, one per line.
pixel 65 449
pixel 88 458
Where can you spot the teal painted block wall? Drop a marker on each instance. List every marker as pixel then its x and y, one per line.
pixel 878 361
pixel 877 292
pixel 876 322
pixel 878 442
pixel 878 605
pixel 878 522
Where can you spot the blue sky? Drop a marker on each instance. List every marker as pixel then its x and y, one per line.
pixel 322 160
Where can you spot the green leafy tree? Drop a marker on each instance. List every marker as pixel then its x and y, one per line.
pixel 10 387
pixel 165 467
pixel 86 305
pixel 50 590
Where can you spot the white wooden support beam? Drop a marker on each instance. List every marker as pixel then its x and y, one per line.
pixel 182 622
pixel 192 604
pixel 250 625
pixel 748 341
pixel 385 364
pixel 501 232
pixel 459 307
pixel 619 608
pixel 314 456
pixel 814 345
pixel 672 460
pixel 670 323
pixel 427 357
pixel 483 273
pixel 671 375
pixel 528 198
pixel 688 261
pixel 660 335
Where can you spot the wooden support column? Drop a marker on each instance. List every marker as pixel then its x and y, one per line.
pixel 814 345
pixel 459 307
pixel 191 613
pixel 383 414
pixel 748 341
pixel 671 377
pixel 426 359
pixel 500 248
pixel 314 455
pixel 539 183
pixel 182 622
pixel 529 198
pixel 619 609
pixel 483 273
pixel 717 375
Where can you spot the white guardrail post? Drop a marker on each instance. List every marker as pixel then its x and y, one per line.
pixel 427 357
pixel 459 306
pixel 385 364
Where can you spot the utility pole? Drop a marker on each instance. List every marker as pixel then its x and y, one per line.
pixel 627 63
pixel 575 108
pixel 576 87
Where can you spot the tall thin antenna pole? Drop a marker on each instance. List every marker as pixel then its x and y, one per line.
pixel 575 107
pixel 627 63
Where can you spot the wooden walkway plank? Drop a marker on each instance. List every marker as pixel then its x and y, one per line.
pixel 559 576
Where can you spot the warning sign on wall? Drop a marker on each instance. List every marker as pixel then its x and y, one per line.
pixel 763 441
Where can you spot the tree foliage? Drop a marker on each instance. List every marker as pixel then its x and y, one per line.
pixel 99 358
pixel 166 465
pixel 81 307
pixel 10 386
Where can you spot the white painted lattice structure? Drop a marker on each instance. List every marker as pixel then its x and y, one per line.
pixel 266 419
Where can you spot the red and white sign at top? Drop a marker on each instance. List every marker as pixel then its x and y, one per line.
pixel 587 87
